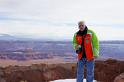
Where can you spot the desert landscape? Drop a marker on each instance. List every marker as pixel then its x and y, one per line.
pixel 38 61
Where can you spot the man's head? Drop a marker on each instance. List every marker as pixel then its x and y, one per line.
pixel 81 25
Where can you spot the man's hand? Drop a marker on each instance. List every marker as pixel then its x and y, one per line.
pixel 78 52
pixel 79 49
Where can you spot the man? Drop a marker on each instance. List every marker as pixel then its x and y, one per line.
pixel 86 45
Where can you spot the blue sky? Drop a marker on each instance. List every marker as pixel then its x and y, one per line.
pixel 57 19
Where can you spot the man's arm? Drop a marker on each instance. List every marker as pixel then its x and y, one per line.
pixel 75 44
pixel 95 43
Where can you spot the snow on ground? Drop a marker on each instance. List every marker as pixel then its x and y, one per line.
pixel 69 80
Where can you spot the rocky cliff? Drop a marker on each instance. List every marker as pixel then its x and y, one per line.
pixel 105 71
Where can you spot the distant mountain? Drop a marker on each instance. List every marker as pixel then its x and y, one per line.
pixel 7 37
pixel 13 37
pixel 26 38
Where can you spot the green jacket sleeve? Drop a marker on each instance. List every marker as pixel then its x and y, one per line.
pixel 74 41
pixel 95 44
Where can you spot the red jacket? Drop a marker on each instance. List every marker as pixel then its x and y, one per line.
pixel 87 46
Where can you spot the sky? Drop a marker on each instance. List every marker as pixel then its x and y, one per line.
pixel 57 19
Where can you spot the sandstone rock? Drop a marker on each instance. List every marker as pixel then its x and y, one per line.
pixel 119 78
pixel 2 80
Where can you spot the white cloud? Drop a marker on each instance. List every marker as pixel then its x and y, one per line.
pixel 109 33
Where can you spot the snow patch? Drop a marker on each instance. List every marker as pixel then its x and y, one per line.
pixel 69 80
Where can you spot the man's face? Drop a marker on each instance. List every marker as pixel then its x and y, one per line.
pixel 82 27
